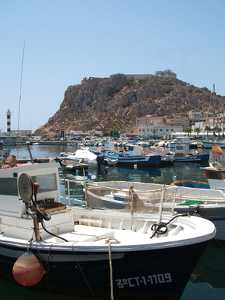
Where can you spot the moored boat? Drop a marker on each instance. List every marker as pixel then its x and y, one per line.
pixel 78 170
pixel 91 252
pixel 200 198
pixel 187 151
pixel 208 144
pixel 132 161
pixel 83 155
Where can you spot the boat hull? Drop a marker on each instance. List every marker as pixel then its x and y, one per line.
pixel 139 162
pixel 200 158
pixel 151 274
pixel 130 161
pixel 208 145
pixel 166 163
pixel 214 213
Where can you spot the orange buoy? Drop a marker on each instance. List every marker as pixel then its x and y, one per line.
pixel 28 270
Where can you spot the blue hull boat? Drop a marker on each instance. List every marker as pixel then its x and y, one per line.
pixel 132 161
pixel 198 158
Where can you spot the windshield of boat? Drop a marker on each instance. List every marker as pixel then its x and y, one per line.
pixel 8 186
pixel 46 182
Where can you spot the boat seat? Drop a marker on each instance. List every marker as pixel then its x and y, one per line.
pixel 145 226
pixel 90 222
pixel 90 233
pixel 175 230
pixel 137 226
pixel 84 233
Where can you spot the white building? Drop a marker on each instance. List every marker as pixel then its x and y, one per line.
pixel 210 125
pixel 195 116
pixel 152 126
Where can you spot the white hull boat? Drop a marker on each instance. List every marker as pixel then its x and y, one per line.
pixel 84 155
pixel 207 202
pixel 89 252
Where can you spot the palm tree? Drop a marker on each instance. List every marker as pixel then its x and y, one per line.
pixel 223 130
pixel 197 130
pixel 216 129
pixel 188 131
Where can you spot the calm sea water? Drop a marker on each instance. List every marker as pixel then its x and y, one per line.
pixel 208 279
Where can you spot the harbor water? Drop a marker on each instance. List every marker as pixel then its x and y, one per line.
pixel 208 279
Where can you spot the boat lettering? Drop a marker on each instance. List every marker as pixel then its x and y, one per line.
pixel 146 280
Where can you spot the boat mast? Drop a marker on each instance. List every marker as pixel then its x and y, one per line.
pixel 21 81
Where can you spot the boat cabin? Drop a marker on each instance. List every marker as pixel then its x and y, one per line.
pixel 181 146
pixel 44 174
pixel 15 221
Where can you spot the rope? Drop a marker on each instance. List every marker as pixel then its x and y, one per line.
pixel 110 270
pixel 49 258
pixel 161 228
pixel 51 233
pixel 131 200
pixel 29 246
pixel 41 217
pixel 86 282
pixel 84 277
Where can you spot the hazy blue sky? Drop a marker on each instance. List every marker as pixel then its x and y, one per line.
pixel 68 40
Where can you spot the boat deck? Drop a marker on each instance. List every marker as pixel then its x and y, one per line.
pixel 93 229
pixel 99 236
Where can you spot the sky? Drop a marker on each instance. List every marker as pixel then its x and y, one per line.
pixel 67 40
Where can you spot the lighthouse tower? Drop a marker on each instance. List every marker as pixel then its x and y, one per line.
pixel 8 115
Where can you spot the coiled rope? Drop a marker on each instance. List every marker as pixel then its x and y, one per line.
pixel 162 227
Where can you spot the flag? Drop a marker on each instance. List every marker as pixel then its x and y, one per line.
pixel 217 150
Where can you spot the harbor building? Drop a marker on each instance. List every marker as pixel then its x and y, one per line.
pixel 157 126
pixel 210 125
pixel 195 116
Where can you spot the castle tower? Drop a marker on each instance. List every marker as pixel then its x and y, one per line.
pixel 8 115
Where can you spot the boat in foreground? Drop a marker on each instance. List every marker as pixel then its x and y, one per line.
pixel 90 252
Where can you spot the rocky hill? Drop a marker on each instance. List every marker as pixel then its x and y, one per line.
pixel 116 101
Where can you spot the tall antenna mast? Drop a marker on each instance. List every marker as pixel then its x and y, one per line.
pixel 21 81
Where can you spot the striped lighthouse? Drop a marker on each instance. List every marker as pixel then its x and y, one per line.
pixel 8 116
